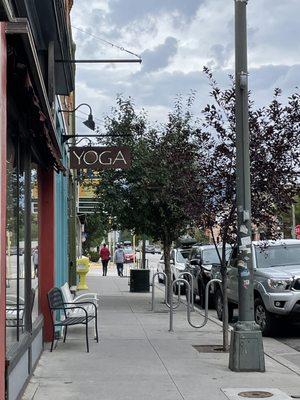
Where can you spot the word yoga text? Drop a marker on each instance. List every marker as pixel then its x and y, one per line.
pixel 100 158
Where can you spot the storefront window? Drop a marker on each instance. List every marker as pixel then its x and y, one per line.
pixel 34 241
pixel 15 277
pixel 22 271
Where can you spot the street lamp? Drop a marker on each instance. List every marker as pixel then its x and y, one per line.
pixel 90 123
pixel 246 349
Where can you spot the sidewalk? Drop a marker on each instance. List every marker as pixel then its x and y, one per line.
pixel 138 359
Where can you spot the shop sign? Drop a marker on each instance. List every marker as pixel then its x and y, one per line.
pixel 100 158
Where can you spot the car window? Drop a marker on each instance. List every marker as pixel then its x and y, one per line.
pixel 279 255
pixel 210 256
pixel 182 256
pixel 128 250
pixel 172 255
pixel 192 254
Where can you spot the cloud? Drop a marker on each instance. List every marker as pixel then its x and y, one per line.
pixel 176 38
pixel 124 12
pixel 160 56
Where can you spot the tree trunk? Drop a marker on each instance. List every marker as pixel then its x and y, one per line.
pixel 143 253
pixel 167 250
pixel 225 307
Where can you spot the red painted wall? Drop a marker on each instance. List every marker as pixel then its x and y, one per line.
pixel 3 135
pixel 46 244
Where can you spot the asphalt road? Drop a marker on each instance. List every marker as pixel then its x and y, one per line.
pixel 289 333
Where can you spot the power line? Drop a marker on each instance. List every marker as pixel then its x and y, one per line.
pixel 107 42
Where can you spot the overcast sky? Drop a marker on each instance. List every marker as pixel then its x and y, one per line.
pixel 175 39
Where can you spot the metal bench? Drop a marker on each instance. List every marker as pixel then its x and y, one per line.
pixel 15 311
pixel 57 304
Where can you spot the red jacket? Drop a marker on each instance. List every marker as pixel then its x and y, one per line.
pixel 104 253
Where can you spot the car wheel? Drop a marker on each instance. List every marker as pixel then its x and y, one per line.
pixel 263 318
pixel 219 306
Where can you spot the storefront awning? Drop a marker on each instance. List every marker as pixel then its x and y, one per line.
pixel 36 87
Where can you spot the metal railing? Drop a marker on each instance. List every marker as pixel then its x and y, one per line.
pixel 166 292
pixel 191 282
pixel 188 287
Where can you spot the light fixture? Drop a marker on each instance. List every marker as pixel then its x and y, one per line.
pixel 90 123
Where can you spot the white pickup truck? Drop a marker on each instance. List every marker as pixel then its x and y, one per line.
pixel 276 266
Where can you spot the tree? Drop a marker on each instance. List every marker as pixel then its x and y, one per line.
pixel 274 155
pixel 150 196
pixel 96 229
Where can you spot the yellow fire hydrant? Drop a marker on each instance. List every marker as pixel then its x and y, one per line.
pixel 83 266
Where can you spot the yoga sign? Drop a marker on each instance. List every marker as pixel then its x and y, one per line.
pixel 100 158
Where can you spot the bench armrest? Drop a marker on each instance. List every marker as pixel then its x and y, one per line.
pixel 88 303
pixel 93 296
pixel 70 308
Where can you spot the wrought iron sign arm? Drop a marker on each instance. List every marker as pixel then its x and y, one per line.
pixel 67 137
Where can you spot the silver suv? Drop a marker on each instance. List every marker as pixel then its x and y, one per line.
pixel 178 258
pixel 276 283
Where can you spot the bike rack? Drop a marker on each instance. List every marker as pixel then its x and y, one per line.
pixel 191 282
pixel 189 303
pixel 166 292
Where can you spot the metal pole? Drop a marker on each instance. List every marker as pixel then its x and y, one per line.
pixel 191 281
pixel 108 61
pixel 246 349
pixel 153 288
pixel 293 222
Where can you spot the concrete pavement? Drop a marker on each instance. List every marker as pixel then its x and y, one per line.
pixel 137 358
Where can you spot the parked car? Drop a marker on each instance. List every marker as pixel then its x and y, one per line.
pixel 276 266
pixel 157 250
pixel 150 248
pixel 199 264
pixel 178 258
pixel 129 254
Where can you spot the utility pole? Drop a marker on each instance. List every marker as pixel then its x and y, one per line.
pixel 246 349
pixel 293 222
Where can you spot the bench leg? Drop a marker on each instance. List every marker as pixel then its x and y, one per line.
pixel 87 337
pixel 65 333
pixel 53 336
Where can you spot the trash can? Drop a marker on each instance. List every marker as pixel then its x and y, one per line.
pixel 83 266
pixel 139 280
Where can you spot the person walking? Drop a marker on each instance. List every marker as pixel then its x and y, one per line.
pixel 35 260
pixel 105 257
pixel 119 259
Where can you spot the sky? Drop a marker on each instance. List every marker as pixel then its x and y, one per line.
pixel 175 39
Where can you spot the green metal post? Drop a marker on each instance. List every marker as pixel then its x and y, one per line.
pixel 246 349
pixel 72 232
pixel 72 215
